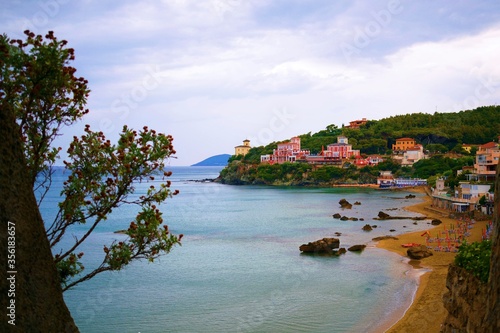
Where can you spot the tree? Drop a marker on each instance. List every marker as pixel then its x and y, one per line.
pixel 41 88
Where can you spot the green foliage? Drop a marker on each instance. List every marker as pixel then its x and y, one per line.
pixel 436 148
pixel 475 258
pixel 38 82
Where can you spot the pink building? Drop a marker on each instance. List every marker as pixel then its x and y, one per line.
pixel 342 149
pixel 288 151
pixel 487 159
pixel 291 151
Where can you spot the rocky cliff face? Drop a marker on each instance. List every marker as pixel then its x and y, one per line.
pixel 465 301
pixel 30 294
pixel 473 306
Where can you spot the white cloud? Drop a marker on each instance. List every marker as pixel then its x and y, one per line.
pixel 220 69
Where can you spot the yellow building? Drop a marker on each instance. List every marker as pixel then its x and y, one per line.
pixel 403 144
pixel 242 149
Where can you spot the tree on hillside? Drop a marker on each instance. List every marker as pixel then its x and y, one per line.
pixel 40 89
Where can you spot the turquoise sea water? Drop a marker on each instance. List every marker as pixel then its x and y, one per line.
pixel 239 268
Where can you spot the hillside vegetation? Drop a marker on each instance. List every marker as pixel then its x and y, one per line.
pixel 439 133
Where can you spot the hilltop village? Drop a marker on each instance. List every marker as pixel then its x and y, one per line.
pixel 460 178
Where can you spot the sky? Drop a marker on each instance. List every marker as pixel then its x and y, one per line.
pixel 213 73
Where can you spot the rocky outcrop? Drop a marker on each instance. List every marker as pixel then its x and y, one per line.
pixel 322 246
pixel 357 248
pixel 418 252
pixel 345 204
pixel 367 227
pixel 38 304
pixel 345 218
pixel 376 239
pixel 465 302
pixel 385 216
pixel 436 222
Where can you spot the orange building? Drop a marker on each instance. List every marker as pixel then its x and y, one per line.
pixel 487 159
pixel 356 123
pixel 403 144
pixel 242 149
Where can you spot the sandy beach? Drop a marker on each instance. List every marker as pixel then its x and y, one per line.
pixel 427 312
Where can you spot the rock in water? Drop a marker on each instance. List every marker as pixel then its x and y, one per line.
pixel 382 215
pixel 367 227
pixel 419 252
pixel 325 245
pixel 357 248
pixel 345 204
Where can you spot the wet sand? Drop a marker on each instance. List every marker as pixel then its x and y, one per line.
pixel 427 312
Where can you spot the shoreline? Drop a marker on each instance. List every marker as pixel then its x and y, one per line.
pixel 426 311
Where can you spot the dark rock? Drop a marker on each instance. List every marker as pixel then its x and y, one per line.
pixel 410 196
pixel 345 204
pixel 341 251
pixel 392 230
pixel 344 218
pixel 376 239
pixel 367 227
pixel 357 203
pixel 374 226
pixel 418 252
pixel 338 234
pixel 357 248
pixel 353 219
pixel 361 219
pixel 325 245
pixel 337 216
pixel 436 222
pixel 383 216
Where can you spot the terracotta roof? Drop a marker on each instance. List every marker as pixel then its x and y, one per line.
pixel 490 145
pixel 405 139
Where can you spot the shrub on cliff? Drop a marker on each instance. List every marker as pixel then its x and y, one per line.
pixel 475 257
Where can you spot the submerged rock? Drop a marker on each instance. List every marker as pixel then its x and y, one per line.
pixel 337 216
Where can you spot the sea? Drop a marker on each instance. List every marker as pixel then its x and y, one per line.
pixel 239 268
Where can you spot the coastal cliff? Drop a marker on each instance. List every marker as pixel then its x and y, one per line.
pixel 474 306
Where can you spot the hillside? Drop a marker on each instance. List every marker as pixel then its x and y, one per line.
pixel 439 133
pixel 216 160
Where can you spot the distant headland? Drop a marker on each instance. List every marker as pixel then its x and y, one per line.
pixel 216 160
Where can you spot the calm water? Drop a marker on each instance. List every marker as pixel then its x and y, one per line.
pixel 239 268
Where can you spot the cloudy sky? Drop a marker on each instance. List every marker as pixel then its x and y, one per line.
pixel 215 72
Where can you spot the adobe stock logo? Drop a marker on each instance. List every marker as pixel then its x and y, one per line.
pixel 364 36
pixel 277 123
pixel 47 10
pixel 128 101
pixel 484 90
